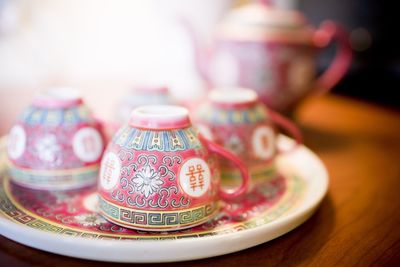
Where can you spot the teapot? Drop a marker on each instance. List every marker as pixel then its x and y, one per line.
pixel 271 51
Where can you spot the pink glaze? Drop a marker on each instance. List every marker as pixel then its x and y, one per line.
pixel 233 98
pixel 241 190
pixel 237 120
pixel 273 52
pixel 289 126
pixel 159 174
pixel 160 117
pixel 58 98
pixel 79 205
pixel 328 32
pixel 56 144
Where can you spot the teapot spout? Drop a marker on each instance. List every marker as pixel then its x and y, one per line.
pixel 201 53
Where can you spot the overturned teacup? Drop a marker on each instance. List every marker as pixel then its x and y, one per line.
pixel 159 174
pixel 237 120
pixel 56 144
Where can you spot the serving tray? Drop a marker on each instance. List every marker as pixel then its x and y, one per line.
pixel 67 222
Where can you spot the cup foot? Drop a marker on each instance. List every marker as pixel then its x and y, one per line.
pixel 54 180
pixel 157 220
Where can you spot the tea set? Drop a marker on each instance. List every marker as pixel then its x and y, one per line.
pixel 236 119
pixel 159 172
pixel 166 168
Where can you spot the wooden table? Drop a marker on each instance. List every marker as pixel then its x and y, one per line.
pixel 358 223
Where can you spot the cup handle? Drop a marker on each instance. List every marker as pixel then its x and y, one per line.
pixel 328 32
pixel 289 126
pixel 242 189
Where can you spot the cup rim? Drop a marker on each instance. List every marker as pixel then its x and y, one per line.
pixel 233 97
pixel 159 117
pixel 58 97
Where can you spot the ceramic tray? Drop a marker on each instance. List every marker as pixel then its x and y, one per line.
pixel 66 223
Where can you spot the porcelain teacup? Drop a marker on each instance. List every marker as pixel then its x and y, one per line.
pixel 56 143
pixel 159 174
pixel 236 119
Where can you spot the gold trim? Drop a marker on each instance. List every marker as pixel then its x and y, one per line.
pixel 294 185
pixel 215 208
pixel 62 172
pixel 233 177
pixel 160 227
pixel 158 211
pixel 255 170
pixel 6 186
pixel 266 215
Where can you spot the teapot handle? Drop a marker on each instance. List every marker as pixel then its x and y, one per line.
pixel 327 32
pixel 289 126
pixel 243 188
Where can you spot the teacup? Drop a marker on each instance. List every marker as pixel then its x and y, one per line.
pixel 56 143
pixel 236 119
pixel 142 95
pixel 159 174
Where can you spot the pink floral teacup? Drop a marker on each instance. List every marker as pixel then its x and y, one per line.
pixel 237 120
pixel 159 174
pixel 56 143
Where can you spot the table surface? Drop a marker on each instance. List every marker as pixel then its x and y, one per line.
pixel 357 222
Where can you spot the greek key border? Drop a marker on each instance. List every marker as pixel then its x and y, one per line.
pixel 156 219
pixel 59 180
pixel 75 171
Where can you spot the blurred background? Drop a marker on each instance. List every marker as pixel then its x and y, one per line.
pixel 372 25
pixel 105 47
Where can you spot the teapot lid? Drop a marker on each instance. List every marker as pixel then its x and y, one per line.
pixel 260 22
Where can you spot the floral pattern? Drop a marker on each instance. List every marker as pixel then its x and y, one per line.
pixel 147 180
pixel 48 149
pixel 89 219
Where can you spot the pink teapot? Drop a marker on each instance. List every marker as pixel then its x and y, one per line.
pixel 271 51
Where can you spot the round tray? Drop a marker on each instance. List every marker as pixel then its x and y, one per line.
pixel 67 223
